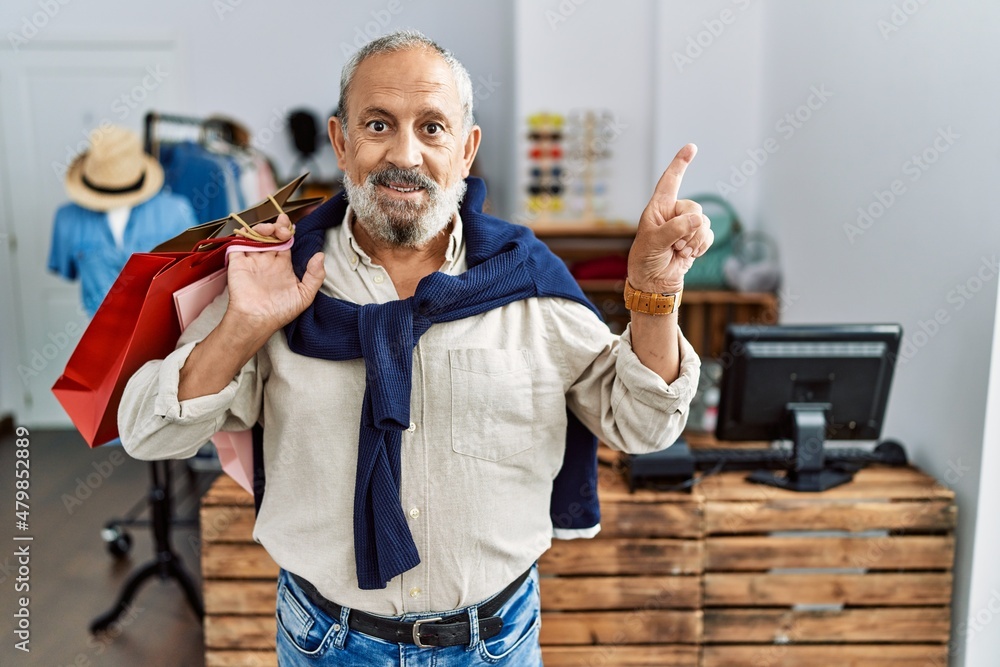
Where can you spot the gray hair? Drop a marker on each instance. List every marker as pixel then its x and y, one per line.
pixel 401 40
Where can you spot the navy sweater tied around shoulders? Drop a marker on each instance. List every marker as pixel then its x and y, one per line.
pixel 505 263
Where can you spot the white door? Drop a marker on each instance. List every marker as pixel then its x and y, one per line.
pixel 51 95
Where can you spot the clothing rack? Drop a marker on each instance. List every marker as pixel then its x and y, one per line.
pixel 209 160
pixel 155 120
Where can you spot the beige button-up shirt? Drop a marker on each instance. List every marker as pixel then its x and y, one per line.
pixel 486 440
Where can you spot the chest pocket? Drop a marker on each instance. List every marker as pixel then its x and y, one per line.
pixel 492 402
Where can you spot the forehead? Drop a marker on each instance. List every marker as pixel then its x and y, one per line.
pixel 412 78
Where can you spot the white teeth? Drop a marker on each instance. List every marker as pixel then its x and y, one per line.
pixel 403 189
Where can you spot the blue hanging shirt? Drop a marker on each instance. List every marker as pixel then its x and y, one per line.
pixel 83 246
pixel 209 181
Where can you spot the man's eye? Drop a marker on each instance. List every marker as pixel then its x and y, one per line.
pixel 377 125
pixel 434 128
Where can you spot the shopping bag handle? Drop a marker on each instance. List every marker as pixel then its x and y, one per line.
pixel 236 244
pixel 246 232
pixel 253 239
pixel 238 247
pixel 211 244
pixel 249 232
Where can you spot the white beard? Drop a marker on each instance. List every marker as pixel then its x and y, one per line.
pixel 402 223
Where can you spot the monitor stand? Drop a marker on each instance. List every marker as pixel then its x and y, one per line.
pixel 808 471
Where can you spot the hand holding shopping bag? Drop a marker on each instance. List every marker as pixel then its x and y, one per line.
pixel 235 448
pixel 137 321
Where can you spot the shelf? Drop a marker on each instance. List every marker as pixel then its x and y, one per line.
pixel 704 313
pixel 583 229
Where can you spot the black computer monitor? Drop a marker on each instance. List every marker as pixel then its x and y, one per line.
pixel 806 384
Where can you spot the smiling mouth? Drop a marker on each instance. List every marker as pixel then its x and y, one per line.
pixel 403 188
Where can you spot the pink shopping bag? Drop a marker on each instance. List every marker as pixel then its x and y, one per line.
pixel 235 448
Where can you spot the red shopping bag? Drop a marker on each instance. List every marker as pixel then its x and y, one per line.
pixel 136 322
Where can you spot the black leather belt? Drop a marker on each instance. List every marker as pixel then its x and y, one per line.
pixel 425 632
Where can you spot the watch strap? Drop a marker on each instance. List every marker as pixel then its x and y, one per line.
pixel 651 303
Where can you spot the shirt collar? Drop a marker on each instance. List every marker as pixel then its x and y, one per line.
pixel 355 255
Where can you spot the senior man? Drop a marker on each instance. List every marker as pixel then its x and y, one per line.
pixel 415 364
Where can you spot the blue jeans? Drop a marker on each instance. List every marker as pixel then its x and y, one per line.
pixel 307 636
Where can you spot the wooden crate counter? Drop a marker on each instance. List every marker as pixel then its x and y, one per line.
pixel 857 575
pixel 632 595
pixel 731 574
pixel 239 581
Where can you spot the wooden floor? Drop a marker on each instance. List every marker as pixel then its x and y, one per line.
pixel 74 578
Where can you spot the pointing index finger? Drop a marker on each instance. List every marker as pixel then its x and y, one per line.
pixel 670 182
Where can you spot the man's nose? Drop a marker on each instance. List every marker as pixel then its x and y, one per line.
pixel 404 152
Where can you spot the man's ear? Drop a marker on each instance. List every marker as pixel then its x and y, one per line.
pixel 470 149
pixel 337 140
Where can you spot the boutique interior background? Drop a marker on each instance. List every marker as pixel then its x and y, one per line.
pixel 862 135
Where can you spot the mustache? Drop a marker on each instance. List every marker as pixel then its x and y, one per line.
pixel 406 177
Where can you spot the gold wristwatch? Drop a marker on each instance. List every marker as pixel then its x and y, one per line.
pixel 652 303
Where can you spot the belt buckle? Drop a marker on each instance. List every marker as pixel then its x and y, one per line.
pixel 416 631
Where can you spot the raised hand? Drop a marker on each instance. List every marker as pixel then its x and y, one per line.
pixel 264 292
pixel 671 233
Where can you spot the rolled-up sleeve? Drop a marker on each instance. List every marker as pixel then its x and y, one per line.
pixel 154 424
pixel 620 400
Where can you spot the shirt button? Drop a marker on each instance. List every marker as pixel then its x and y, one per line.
pixel 414 513
pixel 378 279
pixel 354 259
pixel 412 428
pixel 414 592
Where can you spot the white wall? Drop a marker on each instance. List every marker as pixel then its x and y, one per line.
pixel 8 324
pixel 862 102
pixel 619 56
pixel 256 60
pixel 708 73
pixel 565 61
pixel 984 590
pixel 891 95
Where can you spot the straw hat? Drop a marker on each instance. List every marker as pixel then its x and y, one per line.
pixel 114 172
